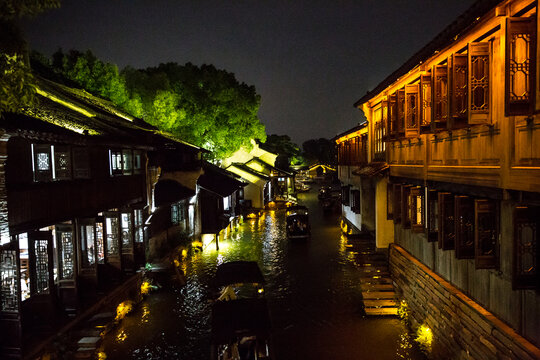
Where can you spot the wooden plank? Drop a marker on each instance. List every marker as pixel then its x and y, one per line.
pixel 379 295
pixel 379 303
pixel 375 280
pixel 381 311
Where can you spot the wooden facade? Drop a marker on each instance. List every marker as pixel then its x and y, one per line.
pixel 459 128
pixel 75 193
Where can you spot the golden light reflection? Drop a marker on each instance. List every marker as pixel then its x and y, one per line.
pixel 145 313
pixel 101 355
pixel 123 309
pixel 121 336
pixel 145 287
pixel 424 336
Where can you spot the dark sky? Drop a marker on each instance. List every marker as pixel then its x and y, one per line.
pixel 309 60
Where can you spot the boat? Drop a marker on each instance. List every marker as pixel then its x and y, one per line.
pixel 241 330
pixel 240 317
pixel 297 222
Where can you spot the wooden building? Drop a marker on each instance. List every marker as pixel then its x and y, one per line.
pixel 75 186
pixel 453 163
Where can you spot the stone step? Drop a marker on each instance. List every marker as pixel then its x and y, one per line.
pixel 381 311
pixel 378 287
pixel 371 295
pixel 375 280
pixel 380 303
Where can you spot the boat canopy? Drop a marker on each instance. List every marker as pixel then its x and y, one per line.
pixel 238 272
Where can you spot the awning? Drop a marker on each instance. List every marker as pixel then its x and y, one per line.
pixel 171 191
pixel 219 181
pixel 371 169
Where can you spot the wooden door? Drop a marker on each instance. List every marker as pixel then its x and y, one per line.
pixel 88 255
pixel 127 236
pixel 10 304
pixel 113 244
pixel 67 267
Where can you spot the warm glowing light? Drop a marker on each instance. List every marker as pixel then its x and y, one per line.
pixel 121 336
pixel 101 355
pixel 252 216
pixel 123 309
pixel 261 290
pixel 424 336
pixel 184 253
pixel 403 310
pixel 145 287
pixel 197 244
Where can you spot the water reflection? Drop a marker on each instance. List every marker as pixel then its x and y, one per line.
pixel 313 289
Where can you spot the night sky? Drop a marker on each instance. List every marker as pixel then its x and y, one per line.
pixel 309 60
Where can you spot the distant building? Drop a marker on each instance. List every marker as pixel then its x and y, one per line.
pixel 452 182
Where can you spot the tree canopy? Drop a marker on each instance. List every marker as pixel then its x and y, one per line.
pixel 288 152
pixel 200 104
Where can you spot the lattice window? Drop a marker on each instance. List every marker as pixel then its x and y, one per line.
pixel 400 128
pixel 66 252
pixel 41 252
pixel 520 72
pixel 425 102
pixel 42 162
pixel 62 163
pixel 9 280
pixel 405 206
pixel 412 110
pixel 126 223
pixel 175 218
pixel 88 246
pixel 457 67
pixel 416 209
pixel 526 240
pixel 116 162
pixel 432 222
pixel 127 162
pixel 446 221
pixel 479 88
pixel 486 234
pixel 440 96
pixel 392 116
pixel 139 230
pixel 99 243
pixel 464 222
pixel 112 229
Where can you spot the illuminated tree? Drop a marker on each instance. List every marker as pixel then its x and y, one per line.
pixel 289 152
pixel 16 81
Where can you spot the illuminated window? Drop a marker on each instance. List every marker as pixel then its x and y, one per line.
pixel 127 162
pixel 400 104
pixel 66 251
pixel 520 51
pixel 87 240
pixel 526 242
pixel 115 162
pixel 412 111
pixel 178 212
pixel 392 116
pixel 137 161
pixel 425 103
pixel 122 162
pixel 41 162
pixel 405 206
pixel 416 209
pixel 62 162
pixel 138 225
pixel 380 145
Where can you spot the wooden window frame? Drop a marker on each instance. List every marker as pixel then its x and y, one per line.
pixel 405 206
pixel 526 216
pixel 401 114
pixel 458 90
pixel 417 221
pixel 426 104
pixel 412 110
pixel 41 175
pixel 520 26
pixel 392 117
pixel 479 52
pixel 464 221
pixel 486 226
pixel 432 215
pixel 446 238
pixel 439 90
pixel 58 151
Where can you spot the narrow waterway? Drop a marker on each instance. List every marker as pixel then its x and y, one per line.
pixel 313 290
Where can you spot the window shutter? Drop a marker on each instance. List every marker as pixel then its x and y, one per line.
pixel 405 206
pixel 486 234
pixel 479 88
pixel 389 201
pixel 432 221
pixel 392 116
pixel 416 209
pixel 42 162
pixel 425 103
pixel 397 203
pixel 458 80
pixel 62 163
pixel 412 111
pixel 384 119
pixel 464 224
pixel 446 221
pixel 520 66
pixel 400 112
pixel 526 243
pixel 81 166
pixel 440 97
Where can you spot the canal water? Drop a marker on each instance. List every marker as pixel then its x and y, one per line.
pixel 313 291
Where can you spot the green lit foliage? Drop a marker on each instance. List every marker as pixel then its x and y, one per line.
pixel 202 105
pixel 289 152
pixel 16 81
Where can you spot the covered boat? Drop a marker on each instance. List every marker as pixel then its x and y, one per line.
pixel 297 223
pixel 241 279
